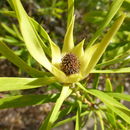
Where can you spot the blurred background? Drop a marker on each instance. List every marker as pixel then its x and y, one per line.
pixel 52 15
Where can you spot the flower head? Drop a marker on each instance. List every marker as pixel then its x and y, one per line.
pixel 72 63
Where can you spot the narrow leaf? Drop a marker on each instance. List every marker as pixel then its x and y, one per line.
pixel 69 119
pixel 121 70
pixel 55 50
pixel 13 83
pixel 68 40
pixel 78 116
pixel 67 110
pixel 96 81
pixel 18 34
pixel 103 96
pixel 70 11
pixel 108 85
pixel 122 113
pixel 8 29
pixel 101 119
pixel 111 13
pixel 115 60
pixel 111 117
pixel 113 104
pixel 25 100
pixel 8 13
pixel 66 91
pixel 120 96
pixel 9 54
pixel 78 50
pixel 104 43
pixel 31 37
pixel 87 56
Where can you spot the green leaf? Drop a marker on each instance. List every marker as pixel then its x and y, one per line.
pixel 13 83
pixel 78 50
pixel 113 104
pixel 11 4
pixel 95 123
pixel 68 40
pixel 120 89
pixel 127 1
pixel 121 112
pixel 55 50
pixel 70 11
pixel 101 119
pixel 89 52
pixel 122 126
pixel 9 54
pixel 18 34
pixel 25 100
pixel 111 117
pixel 8 13
pixel 78 116
pixel 111 13
pixel 67 110
pixel 105 98
pixel 13 41
pixel 96 81
pixel 40 29
pixel 120 96
pixel 115 60
pixel 66 91
pixel 108 85
pixel 8 29
pixel 121 70
pixel 104 43
pixel 69 119
pixel 32 39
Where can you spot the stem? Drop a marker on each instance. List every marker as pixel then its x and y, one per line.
pixel 66 91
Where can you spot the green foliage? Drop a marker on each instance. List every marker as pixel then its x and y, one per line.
pixel 43 62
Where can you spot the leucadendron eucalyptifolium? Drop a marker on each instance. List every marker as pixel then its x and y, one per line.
pixel 72 63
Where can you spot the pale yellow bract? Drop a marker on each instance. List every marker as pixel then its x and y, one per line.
pixel 88 57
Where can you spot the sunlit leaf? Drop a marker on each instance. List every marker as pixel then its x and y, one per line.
pixel 66 91
pixel 13 83
pixel 120 96
pixel 87 57
pixel 78 50
pixel 104 43
pixel 55 50
pixel 31 37
pixel 70 11
pixel 68 40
